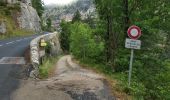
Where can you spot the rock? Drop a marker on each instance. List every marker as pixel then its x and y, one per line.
pixel 28 2
pixel 12 1
pixel 2 27
pixel 29 18
pixel 55 46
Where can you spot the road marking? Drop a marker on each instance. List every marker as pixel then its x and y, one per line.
pixel 19 40
pixel 13 60
pixel 1 45
pixel 10 42
pixel 25 38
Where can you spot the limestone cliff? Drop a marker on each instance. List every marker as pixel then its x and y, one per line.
pixel 18 14
pixel 28 18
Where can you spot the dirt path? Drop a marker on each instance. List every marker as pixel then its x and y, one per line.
pixel 70 82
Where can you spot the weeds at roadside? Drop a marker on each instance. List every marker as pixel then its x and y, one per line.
pixel 48 67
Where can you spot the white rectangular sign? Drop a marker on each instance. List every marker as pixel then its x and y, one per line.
pixel 133 44
pixel 42 53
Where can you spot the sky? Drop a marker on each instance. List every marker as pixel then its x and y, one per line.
pixel 59 2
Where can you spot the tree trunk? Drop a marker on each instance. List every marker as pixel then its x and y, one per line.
pixel 107 41
pixel 167 46
pixel 111 43
pixel 126 16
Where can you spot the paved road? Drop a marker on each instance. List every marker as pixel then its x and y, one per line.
pixel 8 72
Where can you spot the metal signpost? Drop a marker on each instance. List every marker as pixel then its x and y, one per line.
pixel 134 32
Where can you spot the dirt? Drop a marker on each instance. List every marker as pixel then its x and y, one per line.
pixel 70 82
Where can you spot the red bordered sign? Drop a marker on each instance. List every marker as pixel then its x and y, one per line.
pixel 134 32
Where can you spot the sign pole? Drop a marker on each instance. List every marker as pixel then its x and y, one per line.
pixel 130 67
pixel 134 32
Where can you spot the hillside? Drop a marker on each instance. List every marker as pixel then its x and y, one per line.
pixel 57 12
pixel 18 17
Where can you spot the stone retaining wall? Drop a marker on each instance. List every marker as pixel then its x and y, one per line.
pixel 53 39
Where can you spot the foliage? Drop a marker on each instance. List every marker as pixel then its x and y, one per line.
pixel 48 48
pixel 150 77
pixel 83 43
pixel 76 17
pixel 39 6
pixel 10 9
pixel 152 16
pixel 65 35
pixel 48 24
pixel 111 15
pixel 2 3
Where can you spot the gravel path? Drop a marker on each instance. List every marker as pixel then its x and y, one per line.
pixel 70 82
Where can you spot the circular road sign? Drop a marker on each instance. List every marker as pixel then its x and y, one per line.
pixel 134 32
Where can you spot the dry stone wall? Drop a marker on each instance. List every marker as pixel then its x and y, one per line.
pixel 53 38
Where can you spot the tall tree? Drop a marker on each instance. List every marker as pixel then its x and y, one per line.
pixel 65 36
pixel 49 23
pixel 39 6
pixel 76 17
pixel 109 11
pixel 153 18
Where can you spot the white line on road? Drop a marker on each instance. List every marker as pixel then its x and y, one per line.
pixel 25 38
pixel 10 42
pixel 12 60
pixel 1 45
pixel 19 40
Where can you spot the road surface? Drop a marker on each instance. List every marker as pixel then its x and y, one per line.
pixel 9 68
pixel 69 82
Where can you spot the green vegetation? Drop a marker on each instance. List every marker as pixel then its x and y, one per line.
pixel 48 27
pixel 83 44
pixel 65 35
pixel 48 66
pixel 39 6
pixel 103 45
pixel 77 16
pixel 9 9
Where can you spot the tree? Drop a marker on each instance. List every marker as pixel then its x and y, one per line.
pixel 39 6
pixel 76 17
pixel 83 44
pixel 65 36
pixel 153 18
pixel 49 24
pixel 110 12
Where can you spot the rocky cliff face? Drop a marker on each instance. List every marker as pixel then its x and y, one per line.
pixel 28 18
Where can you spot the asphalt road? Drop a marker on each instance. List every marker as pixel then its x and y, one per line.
pixel 8 72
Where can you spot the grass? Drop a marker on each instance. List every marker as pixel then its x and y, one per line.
pixel 116 80
pixel 48 67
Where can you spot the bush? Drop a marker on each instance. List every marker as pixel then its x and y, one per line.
pixel 2 3
pixel 83 44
